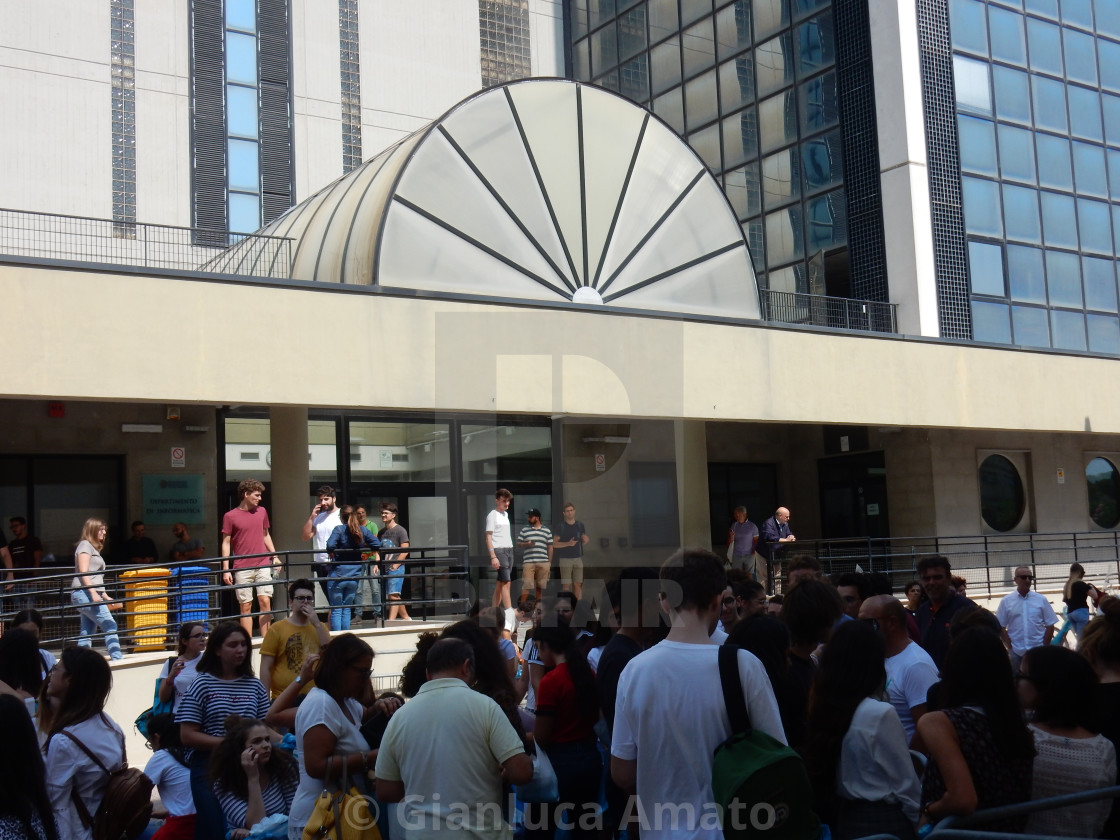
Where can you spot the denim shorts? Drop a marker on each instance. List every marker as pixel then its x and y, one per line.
pixel 395 580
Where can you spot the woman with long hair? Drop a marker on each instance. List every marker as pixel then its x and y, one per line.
pixel 1100 645
pixel 78 687
pixel 170 773
pixel 980 752
pixel 225 686
pixel 855 751
pixel 25 808
pixel 21 669
pixel 345 546
pixel 567 711
pixel 328 725
pixel 768 638
pixel 1076 593
pixel 87 589
pixel 178 675
pixel 1057 689
pixel 251 779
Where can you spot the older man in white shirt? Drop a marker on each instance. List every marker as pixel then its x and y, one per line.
pixel 1026 617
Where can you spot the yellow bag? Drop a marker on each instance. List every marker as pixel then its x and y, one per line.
pixel 341 815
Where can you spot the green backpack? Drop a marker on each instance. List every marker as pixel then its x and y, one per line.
pixel 759 783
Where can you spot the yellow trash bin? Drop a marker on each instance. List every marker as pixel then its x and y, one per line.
pixel 147 615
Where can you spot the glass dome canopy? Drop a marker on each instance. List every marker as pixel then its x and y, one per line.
pixel 541 190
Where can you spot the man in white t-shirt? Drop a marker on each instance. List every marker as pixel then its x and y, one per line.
pixel 670 714
pixel 324 518
pixel 910 670
pixel 499 545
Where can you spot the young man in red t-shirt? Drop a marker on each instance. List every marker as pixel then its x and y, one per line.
pixel 245 531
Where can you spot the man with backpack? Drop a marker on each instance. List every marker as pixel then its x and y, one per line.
pixel 670 712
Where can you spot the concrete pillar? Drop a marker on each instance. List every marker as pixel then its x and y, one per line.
pixel 692 482
pixel 291 478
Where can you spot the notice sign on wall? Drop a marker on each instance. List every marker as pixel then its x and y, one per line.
pixel 172 498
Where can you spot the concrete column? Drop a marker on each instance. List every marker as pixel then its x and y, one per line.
pixel 291 477
pixel 692 482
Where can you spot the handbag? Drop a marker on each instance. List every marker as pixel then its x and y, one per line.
pixel 342 815
pixel 544 786
pixel 158 707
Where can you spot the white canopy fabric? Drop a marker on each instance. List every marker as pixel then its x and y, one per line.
pixel 543 189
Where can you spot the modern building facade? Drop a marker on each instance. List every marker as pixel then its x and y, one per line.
pixel 463 281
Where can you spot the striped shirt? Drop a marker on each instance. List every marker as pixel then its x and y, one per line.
pixel 540 538
pixel 210 700
pixel 277 798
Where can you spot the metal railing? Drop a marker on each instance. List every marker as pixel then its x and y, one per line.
pixel 986 561
pixel 824 311
pixel 104 241
pixel 155 601
pixel 962 828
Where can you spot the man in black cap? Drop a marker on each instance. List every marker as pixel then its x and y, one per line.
pixel 535 542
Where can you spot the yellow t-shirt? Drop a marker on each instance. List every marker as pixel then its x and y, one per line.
pixel 289 644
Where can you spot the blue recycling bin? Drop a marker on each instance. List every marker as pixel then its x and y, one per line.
pixel 191 599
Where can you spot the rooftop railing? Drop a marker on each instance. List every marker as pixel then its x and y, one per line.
pixel 107 242
pixel 824 311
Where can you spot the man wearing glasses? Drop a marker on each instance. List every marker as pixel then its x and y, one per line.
pixel 290 640
pixel 1026 617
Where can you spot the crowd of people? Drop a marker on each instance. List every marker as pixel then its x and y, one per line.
pixel 903 711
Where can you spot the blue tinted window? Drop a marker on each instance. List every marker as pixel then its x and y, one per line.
pixel 1099 279
pixel 1020 214
pixel 1013 94
pixel 1068 329
pixel 816 45
pixel 1110 105
pixel 973 90
pixel 990 322
pixel 1009 40
pixel 244 212
pixel 985 269
pixel 1095 225
pixel 821 162
pixel 1025 274
pixel 969 29
pixel 1114 174
pixel 1046 8
pixel 819 106
pixel 1104 334
pixel 244 170
pixel 1116 222
pixel 1109 53
pixel 1108 22
pixel 1089 170
pixel 1063 278
pixel 977 145
pixel 1049 104
pixel 1054 168
pixel 1077 13
pixel 982 214
pixel 241 59
pixel 241 110
pixel 827 221
pixel 241 14
pixel 1045 42
pixel 1084 113
pixel 1030 326
pixel 1059 225
pixel 1081 64
pixel 1016 153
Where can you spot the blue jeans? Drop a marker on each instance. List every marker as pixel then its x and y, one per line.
pixel 96 617
pixel 210 822
pixel 1078 619
pixel 342 586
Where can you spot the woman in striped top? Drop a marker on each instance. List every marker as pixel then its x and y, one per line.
pixel 251 779
pixel 225 686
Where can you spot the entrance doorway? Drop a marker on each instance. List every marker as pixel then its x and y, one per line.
pixel 755 486
pixel 853 496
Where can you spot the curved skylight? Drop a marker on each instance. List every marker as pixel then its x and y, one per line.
pixel 541 190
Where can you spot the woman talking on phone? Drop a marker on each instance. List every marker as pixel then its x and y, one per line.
pixel 251 779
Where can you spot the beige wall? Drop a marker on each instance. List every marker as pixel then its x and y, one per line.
pixel 252 344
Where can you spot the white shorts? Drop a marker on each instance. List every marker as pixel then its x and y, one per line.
pixel 260 576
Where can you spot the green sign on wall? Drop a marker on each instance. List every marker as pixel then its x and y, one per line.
pixel 172 498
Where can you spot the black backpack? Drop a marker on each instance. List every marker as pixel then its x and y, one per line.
pixel 126 808
pixel 760 783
